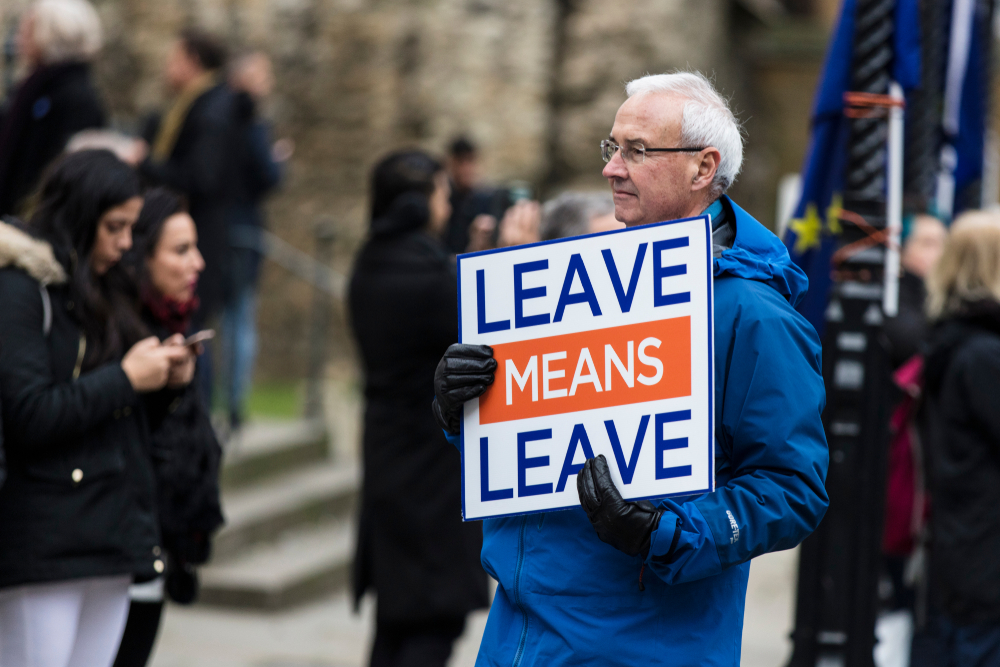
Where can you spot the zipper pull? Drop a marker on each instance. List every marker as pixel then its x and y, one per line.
pixel 642 569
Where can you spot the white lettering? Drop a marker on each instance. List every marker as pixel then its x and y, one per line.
pixel 591 377
pixel 531 370
pixel 650 361
pixel 628 374
pixel 549 375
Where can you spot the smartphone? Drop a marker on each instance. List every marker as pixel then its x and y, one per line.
pixel 200 337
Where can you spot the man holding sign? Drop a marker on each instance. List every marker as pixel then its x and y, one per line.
pixel 668 356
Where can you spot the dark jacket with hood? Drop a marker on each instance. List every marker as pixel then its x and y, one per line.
pixel 49 107
pixel 963 421
pixel 78 500
pixel 202 168
pixel 413 547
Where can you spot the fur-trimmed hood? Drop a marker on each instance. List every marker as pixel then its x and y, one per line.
pixel 33 256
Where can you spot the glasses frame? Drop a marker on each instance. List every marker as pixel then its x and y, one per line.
pixel 642 150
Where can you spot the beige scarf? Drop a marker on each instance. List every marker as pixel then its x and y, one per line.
pixel 170 126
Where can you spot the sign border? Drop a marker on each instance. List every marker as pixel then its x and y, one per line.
pixel 711 356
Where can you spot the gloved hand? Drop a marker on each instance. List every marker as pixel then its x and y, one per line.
pixel 627 526
pixel 464 372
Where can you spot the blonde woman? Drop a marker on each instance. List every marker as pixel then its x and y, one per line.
pixel 56 41
pixel 962 375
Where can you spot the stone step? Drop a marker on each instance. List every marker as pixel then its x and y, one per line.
pixel 261 513
pixel 300 566
pixel 263 449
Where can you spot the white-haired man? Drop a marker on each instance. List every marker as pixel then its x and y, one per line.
pixel 567 597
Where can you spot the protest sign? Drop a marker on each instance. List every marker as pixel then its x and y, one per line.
pixel 603 346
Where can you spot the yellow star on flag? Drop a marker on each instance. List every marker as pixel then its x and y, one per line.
pixel 807 230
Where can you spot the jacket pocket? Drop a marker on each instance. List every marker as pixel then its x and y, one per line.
pixel 95 456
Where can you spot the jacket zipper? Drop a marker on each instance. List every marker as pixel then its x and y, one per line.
pixel 517 593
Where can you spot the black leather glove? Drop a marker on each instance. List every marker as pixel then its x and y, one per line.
pixel 627 526
pixel 464 372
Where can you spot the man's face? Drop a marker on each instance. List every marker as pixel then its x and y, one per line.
pixel 666 186
pixel 464 171
pixel 180 68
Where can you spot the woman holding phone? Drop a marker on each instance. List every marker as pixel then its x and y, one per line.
pixel 77 511
pixel 165 264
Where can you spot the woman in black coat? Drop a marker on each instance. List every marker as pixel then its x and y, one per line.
pixel 413 549
pixel 961 373
pixel 56 39
pixel 165 264
pixel 77 519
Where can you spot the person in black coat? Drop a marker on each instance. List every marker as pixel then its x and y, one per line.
pixel 413 549
pixel 258 171
pixel 77 512
pixel 191 152
pixel 57 39
pixel 963 443
pixel 165 263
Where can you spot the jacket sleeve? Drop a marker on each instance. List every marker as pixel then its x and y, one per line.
pixel 264 171
pixel 38 411
pixel 979 372
pixel 769 425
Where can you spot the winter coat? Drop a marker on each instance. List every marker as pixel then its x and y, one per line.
pixel 413 548
pixel 48 108
pixel 567 598
pixel 186 456
pixel 963 445
pixel 78 500
pixel 201 166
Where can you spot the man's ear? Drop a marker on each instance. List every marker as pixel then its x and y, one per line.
pixel 707 166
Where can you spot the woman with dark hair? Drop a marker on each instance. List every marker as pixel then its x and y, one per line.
pixel 165 263
pixel 413 549
pixel 77 512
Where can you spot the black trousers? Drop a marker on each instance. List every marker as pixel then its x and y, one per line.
pixel 140 634
pixel 417 644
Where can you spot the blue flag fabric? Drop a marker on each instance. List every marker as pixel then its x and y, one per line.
pixel 812 233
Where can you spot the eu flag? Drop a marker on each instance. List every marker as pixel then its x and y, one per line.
pixel 812 233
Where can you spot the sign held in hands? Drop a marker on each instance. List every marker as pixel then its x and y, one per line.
pixel 603 346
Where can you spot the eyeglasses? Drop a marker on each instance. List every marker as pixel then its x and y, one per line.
pixel 636 153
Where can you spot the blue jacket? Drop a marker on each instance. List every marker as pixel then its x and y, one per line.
pixel 566 598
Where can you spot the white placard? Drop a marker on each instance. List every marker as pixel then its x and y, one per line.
pixel 604 346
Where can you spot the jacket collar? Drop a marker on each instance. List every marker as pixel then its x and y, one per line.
pixel 757 254
pixel 20 250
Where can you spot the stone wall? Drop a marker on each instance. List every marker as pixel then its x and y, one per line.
pixel 536 83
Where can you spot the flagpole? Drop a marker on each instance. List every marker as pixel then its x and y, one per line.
pixel 894 205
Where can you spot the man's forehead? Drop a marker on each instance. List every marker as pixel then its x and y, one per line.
pixel 648 117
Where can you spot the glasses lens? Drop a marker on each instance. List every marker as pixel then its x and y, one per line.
pixel 607 150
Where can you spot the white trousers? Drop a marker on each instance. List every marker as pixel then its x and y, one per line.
pixel 76 623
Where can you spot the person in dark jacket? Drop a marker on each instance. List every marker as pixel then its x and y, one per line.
pixel 57 39
pixel 413 549
pixel 165 263
pixel 77 513
pixel 258 171
pixel 190 151
pixel 963 439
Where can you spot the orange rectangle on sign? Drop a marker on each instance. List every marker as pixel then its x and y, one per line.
pixel 636 363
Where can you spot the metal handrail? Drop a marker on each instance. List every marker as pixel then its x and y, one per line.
pixel 325 281
pixel 300 264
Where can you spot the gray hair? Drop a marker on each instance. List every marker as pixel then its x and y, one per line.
pixel 66 30
pixel 707 121
pixel 570 213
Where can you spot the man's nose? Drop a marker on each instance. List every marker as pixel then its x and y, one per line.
pixel 615 168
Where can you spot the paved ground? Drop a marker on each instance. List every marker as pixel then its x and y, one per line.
pixel 329 634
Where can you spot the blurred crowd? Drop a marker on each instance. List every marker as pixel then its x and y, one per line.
pixel 120 255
